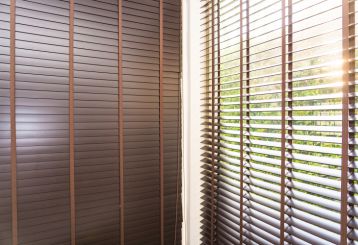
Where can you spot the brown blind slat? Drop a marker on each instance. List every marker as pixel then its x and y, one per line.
pixel 97 157
pixel 42 103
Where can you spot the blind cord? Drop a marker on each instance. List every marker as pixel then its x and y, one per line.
pixel 179 163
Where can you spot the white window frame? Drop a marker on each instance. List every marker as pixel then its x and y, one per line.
pixel 191 122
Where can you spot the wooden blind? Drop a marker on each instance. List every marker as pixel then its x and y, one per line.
pixel 90 122
pixel 278 80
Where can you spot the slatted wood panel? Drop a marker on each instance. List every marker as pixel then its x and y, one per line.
pixel 5 161
pixel 141 121
pixel 42 121
pixel 96 122
pixel 43 90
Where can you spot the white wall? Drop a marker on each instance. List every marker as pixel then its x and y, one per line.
pixel 191 122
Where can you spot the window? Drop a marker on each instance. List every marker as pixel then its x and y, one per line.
pixel 278 80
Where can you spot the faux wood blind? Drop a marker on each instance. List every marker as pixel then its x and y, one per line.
pixel 90 122
pixel 280 150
